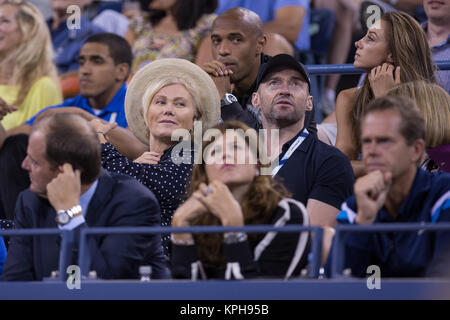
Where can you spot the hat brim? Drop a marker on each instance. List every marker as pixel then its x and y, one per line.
pixel 163 69
pixel 285 61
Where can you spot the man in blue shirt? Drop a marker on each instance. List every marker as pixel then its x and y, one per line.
pixel 396 190
pixel 105 61
pixel 104 67
pixel 68 38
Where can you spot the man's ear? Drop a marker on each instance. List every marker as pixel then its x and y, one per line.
pixel 417 150
pixel 309 103
pixel 255 100
pixel 261 43
pixel 122 71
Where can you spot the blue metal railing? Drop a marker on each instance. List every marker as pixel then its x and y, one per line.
pixel 338 251
pixel 316 250
pixel 318 69
pixel 315 253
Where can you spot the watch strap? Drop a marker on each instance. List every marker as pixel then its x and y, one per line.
pixel 227 99
pixel 72 212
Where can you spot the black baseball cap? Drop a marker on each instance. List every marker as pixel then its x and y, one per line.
pixel 281 60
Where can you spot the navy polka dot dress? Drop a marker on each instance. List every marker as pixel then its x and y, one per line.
pixel 167 179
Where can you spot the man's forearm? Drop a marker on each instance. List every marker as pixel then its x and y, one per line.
pixel 288 22
pixel 290 34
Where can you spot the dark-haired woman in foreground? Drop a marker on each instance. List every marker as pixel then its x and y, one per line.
pixel 229 188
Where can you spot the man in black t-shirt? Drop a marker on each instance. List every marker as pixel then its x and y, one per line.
pixel 316 174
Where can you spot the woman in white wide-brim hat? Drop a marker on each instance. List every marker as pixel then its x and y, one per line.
pixel 164 96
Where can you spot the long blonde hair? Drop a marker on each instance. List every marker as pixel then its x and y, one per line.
pixel 434 105
pixel 32 58
pixel 410 51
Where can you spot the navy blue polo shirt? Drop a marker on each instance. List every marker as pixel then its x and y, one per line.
pixel 113 112
pixel 401 254
pixel 318 171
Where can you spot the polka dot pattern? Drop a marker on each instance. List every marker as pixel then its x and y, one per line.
pixel 6 224
pixel 167 180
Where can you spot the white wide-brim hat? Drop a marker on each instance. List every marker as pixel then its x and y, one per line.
pixel 207 96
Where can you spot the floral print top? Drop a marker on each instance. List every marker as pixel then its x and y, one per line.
pixel 150 45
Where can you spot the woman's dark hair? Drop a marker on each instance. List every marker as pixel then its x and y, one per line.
pixel 410 51
pixel 259 202
pixel 186 12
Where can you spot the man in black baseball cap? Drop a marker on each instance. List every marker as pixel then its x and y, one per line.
pixel 282 60
pixel 318 175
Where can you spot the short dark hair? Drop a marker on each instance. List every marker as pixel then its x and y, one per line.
pixel 70 139
pixel 412 126
pixel 186 12
pixel 119 49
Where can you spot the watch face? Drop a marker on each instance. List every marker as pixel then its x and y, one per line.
pixel 62 218
pixel 231 98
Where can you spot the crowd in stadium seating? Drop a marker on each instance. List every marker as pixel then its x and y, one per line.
pixel 159 128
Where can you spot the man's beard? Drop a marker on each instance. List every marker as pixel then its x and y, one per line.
pixel 283 119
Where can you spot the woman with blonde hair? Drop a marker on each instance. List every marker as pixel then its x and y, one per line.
pixel 28 77
pixel 231 188
pixel 163 101
pixel 434 104
pixel 394 50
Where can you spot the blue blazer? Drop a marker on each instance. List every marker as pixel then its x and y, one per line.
pixel 119 200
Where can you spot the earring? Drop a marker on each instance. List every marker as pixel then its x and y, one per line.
pixel 256 172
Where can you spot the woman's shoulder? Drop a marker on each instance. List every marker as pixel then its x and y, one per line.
pixel 206 21
pixel 345 99
pixel 139 22
pixel 46 88
pixel 45 81
pixel 45 91
pixel 347 94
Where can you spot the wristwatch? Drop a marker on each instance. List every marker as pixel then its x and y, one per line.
pixel 63 216
pixel 227 99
